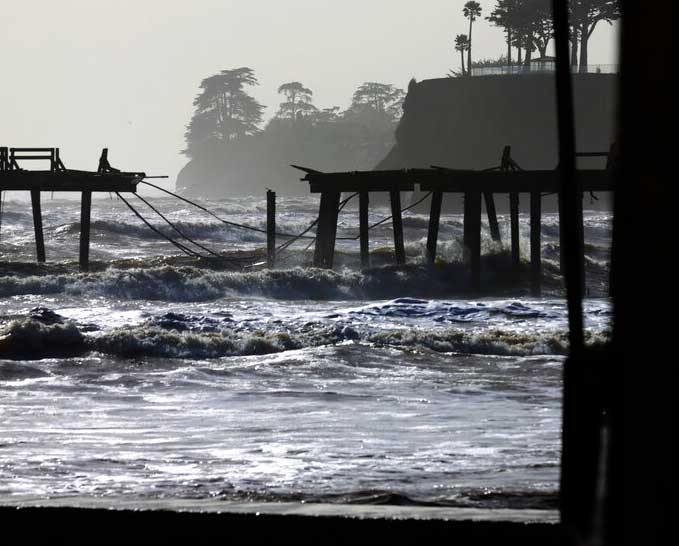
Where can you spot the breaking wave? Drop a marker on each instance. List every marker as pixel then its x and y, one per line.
pixel 178 336
pixel 190 283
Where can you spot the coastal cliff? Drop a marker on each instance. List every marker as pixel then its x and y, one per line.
pixel 464 123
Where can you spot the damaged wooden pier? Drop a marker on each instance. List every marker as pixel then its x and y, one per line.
pixel 13 177
pixel 507 178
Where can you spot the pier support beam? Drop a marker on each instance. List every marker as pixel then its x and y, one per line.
pixel 514 229
pixel 472 237
pixel 364 201
pixel 85 215
pixel 581 234
pixel 579 227
pixel 535 243
pixel 434 222
pixel 327 230
pixel 492 216
pixel 397 221
pixel 37 226
pixel 270 228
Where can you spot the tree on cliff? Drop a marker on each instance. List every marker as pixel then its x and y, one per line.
pixel 223 110
pixel 471 11
pixel 462 45
pixel 298 101
pixel 501 16
pixel 585 16
pixel 540 23
pixel 528 25
pixel 381 98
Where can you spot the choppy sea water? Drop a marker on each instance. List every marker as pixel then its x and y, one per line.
pixel 154 376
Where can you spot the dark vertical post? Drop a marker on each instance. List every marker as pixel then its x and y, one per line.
pixel 472 237
pixel 514 228
pixel 434 222
pixel 85 214
pixel 270 228
pixel 535 243
pixel 333 212
pixel 364 201
pixel 397 222
pixel 327 229
pixel 580 418
pixel 321 230
pixel 37 225
pixel 580 221
pixel 492 216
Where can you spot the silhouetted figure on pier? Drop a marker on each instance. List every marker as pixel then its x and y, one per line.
pixel 104 165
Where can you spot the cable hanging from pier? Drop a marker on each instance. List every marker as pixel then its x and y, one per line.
pixel 383 220
pixel 227 222
pixel 287 244
pixel 376 224
pixel 182 247
pixel 177 244
pixel 175 228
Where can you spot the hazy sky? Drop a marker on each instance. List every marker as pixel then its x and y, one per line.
pixel 85 74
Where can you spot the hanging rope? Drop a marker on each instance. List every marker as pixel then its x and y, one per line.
pixel 175 228
pixel 413 205
pixel 227 222
pixel 177 244
pixel 287 244
pixel 376 224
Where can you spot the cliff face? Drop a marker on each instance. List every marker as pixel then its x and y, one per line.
pixel 465 122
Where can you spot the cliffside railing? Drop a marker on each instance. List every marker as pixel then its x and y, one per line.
pixel 546 67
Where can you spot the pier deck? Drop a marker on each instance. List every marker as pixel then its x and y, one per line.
pixel 60 179
pixel 507 178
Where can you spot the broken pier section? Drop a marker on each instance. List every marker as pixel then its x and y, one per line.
pixel 57 178
pixel 507 178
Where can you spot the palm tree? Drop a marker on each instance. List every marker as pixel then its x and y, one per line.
pixel 471 11
pixel 462 45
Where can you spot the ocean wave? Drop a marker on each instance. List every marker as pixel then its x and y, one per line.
pixel 170 283
pixel 195 230
pixel 31 338
pixel 442 311
pixel 190 283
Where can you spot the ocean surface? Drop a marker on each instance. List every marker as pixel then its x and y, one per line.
pixel 163 376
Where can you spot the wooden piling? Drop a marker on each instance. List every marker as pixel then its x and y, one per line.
pixel 397 221
pixel 535 243
pixel 492 217
pixel 472 237
pixel 332 231
pixel 37 225
pixel 270 228
pixel 514 229
pixel 434 223
pixel 364 201
pixel 85 215
pixel 327 229
pixel 579 235
pixel 580 226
